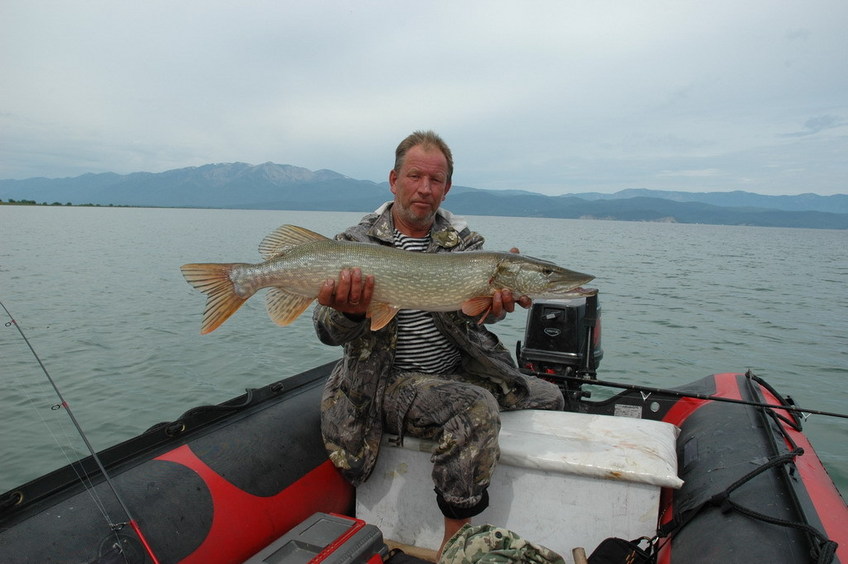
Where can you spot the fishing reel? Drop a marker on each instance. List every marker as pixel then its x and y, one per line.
pixel 562 344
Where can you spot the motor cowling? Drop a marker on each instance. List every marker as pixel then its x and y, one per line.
pixel 562 338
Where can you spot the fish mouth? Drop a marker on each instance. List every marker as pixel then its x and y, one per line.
pixel 573 281
pixel 573 293
pixel 582 292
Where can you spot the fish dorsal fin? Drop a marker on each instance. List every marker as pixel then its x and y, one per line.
pixel 284 307
pixel 286 237
pixel 380 314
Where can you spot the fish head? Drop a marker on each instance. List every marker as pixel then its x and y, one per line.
pixel 537 278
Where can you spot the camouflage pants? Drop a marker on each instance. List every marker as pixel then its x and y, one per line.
pixel 462 416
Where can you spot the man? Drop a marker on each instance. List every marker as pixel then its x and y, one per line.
pixel 439 376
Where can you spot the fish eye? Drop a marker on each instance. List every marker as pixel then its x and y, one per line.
pixel 547 271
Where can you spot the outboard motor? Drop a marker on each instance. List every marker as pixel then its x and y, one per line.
pixel 563 338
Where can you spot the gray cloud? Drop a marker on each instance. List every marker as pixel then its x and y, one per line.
pixel 818 124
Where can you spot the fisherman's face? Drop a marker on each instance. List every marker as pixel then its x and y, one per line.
pixel 419 187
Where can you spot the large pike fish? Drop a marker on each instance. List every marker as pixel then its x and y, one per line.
pixel 298 261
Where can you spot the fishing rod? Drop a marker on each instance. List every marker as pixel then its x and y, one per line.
pixel 804 412
pixel 115 526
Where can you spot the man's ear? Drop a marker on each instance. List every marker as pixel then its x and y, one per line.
pixel 392 179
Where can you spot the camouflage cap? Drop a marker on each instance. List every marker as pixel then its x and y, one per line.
pixel 487 544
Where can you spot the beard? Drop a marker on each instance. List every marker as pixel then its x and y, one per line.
pixel 415 217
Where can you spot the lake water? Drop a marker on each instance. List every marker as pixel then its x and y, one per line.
pixel 99 293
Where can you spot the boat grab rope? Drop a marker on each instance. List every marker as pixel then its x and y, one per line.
pixel 822 548
pixel 64 404
pixel 178 426
pixel 822 551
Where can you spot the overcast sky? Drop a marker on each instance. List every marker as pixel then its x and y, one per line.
pixel 550 96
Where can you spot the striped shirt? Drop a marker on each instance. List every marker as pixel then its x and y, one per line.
pixel 421 347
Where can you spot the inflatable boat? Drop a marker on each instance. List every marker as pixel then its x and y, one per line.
pixel 718 470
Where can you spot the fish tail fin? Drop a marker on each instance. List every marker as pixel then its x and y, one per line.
pixel 222 300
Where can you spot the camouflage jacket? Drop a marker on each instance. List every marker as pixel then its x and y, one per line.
pixel 351 406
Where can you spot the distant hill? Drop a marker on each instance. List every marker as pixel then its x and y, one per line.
pixel 641 209
pixel 737 198
pixel 231 185
pixel 276 186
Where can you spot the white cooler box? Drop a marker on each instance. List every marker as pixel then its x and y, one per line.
pixel 564 480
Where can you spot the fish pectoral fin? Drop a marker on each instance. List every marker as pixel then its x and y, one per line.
pixel 478 305
pixel 286 237
pixel 380 314
pixel 221 298
pixel 283 306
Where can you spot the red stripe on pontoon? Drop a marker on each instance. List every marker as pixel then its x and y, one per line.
pixel 826 498
pixel 726 387
pixel 230 538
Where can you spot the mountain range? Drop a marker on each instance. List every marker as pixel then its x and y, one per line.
pixel 278 186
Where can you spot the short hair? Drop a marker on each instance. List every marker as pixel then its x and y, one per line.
pixel 427 140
